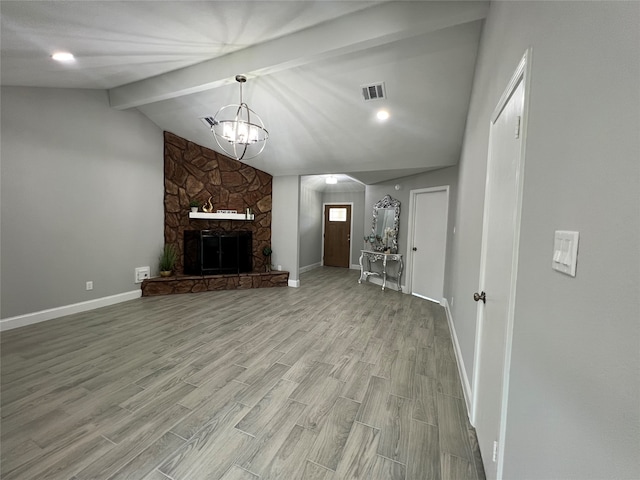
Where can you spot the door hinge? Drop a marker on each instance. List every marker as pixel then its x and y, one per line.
pixel 495 451
pixel 518 127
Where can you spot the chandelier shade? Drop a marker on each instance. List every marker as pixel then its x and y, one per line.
pixel 238 130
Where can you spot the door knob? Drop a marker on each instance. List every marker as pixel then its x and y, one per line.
pixel 480 296
pixel 414 249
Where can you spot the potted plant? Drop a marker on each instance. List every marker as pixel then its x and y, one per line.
pixel 266 251
pixel 167 260
pixel 194 205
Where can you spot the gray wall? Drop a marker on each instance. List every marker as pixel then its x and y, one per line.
pixel 357 213
pixel 574 382
pixel 310 226
pixel 285 224
pixel 82 197
pixel 445 176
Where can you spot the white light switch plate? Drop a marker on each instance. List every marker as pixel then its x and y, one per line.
pixel 565 252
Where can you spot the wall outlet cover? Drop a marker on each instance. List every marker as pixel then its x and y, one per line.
pixel 142 273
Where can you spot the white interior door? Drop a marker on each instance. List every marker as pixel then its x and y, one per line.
pixel 498 274
pixel 430 211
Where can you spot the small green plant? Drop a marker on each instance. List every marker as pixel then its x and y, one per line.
pixel 266 251
pixel 168 258
pixel 194 203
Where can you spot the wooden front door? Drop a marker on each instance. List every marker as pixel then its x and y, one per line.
pixel 337 235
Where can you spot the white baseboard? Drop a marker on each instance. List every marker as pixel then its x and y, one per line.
pixel 310 267
pixel 354 266
pixel 466 386
pixel 50 314
pixel 439 302
pixel 293 283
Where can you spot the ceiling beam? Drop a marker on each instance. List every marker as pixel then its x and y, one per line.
pixel 378 25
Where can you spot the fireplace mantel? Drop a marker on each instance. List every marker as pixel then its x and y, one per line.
pixel 221 216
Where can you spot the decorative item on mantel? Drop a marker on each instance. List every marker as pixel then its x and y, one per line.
pixel 266 251
pixel 167 260
pixel 208 206
pixel 194 205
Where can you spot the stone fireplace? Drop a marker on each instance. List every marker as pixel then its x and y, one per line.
pixel 193 172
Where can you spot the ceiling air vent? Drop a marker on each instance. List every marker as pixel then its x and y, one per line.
pixel 374 91
pixel 208 121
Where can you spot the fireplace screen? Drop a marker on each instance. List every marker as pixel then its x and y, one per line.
pixel 208 252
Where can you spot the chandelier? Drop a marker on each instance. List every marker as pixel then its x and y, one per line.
pixel 238 130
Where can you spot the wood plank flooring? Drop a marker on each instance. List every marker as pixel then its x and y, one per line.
pixel 333 380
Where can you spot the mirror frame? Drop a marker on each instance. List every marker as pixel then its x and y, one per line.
pixel 387 203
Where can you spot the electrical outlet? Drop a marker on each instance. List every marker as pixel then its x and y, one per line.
pixel 141 273
pixel 89 285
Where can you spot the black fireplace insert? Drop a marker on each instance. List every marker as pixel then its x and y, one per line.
pixel 210 252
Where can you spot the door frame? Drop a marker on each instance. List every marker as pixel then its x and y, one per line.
pixel 410 233
pixel 324 204
pixel 522 75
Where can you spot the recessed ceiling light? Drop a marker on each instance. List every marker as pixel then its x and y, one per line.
pixel 63 57
pixel 331 180
pixel 382 115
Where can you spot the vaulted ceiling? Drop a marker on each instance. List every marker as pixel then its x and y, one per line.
pixel 306 63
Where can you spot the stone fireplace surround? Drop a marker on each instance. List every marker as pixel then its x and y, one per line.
pixel 193 172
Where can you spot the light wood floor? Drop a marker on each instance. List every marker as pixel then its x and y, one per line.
pixel 333 380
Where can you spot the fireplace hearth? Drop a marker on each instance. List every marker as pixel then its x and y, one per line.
pixel 208 283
